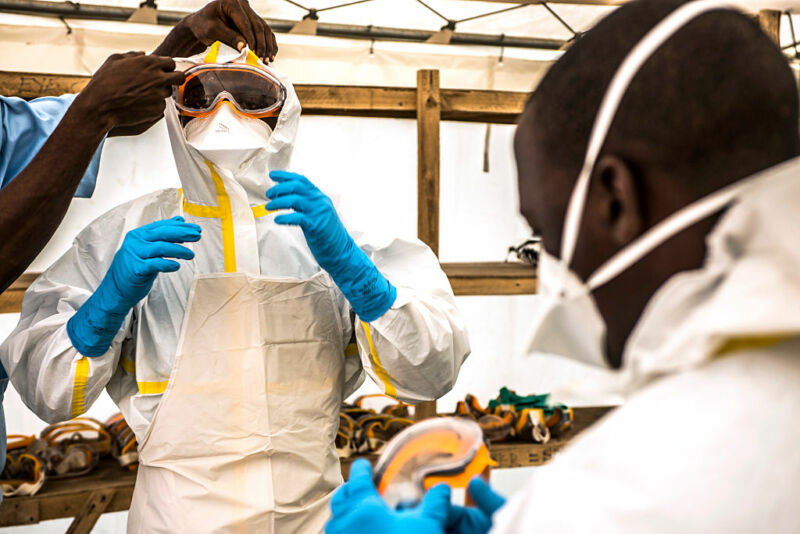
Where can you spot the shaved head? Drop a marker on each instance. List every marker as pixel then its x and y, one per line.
pixel 716 103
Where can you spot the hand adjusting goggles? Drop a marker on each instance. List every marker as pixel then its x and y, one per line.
pixel 253 91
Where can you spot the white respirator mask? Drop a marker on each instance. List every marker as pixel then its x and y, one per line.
pixel 568 322
pixel 226 138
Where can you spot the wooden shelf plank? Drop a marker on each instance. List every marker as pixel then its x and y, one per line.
pixel 59 499
pixel 500 278
pixel 354 101
pixel 466 278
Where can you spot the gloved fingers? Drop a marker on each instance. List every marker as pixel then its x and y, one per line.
pixel 176 232
pixel 340 503
pixel 286 176
pixel 291 219
pixel 285 188
pixel 360 481
pixel 164 222
pixel 485 498
pixel 164 249
pixel 294 202
pixel 436 504
pixel 154 266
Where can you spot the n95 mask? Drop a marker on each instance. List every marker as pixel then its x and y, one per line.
pixel 568 322
pixel 226 138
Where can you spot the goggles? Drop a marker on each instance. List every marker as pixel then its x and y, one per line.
pixel 446 450
pixel 254 92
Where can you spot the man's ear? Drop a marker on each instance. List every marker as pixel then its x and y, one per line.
pixel 621 205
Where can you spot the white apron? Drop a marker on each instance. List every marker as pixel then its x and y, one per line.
pixel 243 439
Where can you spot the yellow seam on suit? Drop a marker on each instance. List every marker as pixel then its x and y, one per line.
pixel 351 350
pixel 211 57
pixel 739 344
pixel 128 365
pixel 221 211
pixel 208 212
pixel 383 375
pixel 226 219
pixel 152 388
pixel 252 59
pixel 79 386
pixel 146 388
pixel 260 211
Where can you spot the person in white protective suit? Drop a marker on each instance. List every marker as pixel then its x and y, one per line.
pixel 232 368
pixel 658 159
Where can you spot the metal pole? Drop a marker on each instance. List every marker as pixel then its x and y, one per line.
pixel 170 18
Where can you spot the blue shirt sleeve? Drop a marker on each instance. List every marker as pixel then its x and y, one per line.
pixel 24 128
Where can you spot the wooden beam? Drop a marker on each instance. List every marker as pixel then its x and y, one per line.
pixel 576 2
pixel 429 116
pixel 11 298
pixel 491 278
pixel 429 110
pixel 95 507
pixel 353 101
pixel 498 278
pixel 770 21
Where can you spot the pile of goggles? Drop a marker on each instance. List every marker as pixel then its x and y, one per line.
pixel 510 417
pixel 251 89
pixel 123 445
pixel 63 450
pixel 366 431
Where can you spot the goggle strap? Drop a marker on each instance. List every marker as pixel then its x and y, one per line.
pixel 630 66
pixel 662 231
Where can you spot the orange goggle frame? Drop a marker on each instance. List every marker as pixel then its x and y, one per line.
pixel 226 89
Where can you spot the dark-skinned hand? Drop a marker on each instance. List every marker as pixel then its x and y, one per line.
pixel 231 21
pixel 126 95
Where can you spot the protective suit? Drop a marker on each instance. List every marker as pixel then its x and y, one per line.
pixel 243 442
pixel 706 441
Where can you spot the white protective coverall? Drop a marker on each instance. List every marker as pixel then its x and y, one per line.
pixel 414 351
pixel 707 440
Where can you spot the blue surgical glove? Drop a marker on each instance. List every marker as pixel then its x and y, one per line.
pixel 357 507
pixel 367 290
pixel 129 279
pixel 468 520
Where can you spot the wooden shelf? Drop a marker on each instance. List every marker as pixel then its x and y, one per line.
pixel 491 278
pixel 113 485
pixel 466 279
pixel 341 100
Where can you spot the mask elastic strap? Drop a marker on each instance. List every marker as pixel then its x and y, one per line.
pixel 611 102
pixel 672 225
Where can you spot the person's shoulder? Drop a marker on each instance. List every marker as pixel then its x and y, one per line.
pixel 715 441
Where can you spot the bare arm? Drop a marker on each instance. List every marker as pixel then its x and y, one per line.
pixel 127 92
pixel 34 203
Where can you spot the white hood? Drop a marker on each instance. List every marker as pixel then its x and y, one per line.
pixel 252 176
pixel 751 283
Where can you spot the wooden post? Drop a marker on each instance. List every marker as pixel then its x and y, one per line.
pixel 429 113
pixel 95 506
pixel 770 21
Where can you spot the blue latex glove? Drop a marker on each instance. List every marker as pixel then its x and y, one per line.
pixel 129 279
pixel 357 507
pixel 367 290
pixel 468 520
